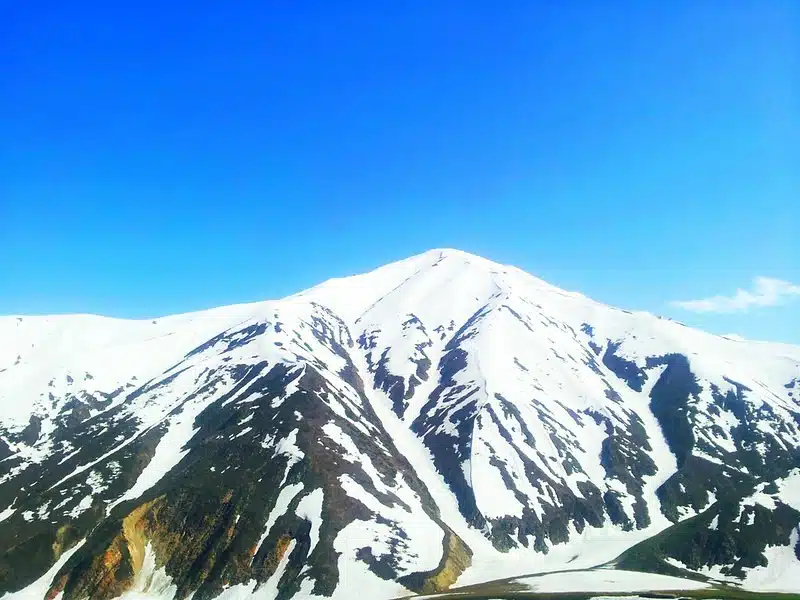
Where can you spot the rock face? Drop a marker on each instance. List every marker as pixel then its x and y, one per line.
pixel 441 419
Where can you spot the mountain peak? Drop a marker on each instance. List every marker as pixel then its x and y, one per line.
pixel 443 276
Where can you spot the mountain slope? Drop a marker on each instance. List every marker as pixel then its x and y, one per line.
pixel 441 419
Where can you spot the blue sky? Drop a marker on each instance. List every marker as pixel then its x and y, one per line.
pixel 165 157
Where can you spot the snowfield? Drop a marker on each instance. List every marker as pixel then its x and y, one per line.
pixel 441 421
pixel 607 580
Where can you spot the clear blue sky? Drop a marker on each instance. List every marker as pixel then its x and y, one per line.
pixel 158 157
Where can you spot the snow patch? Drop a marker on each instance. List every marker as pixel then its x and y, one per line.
pixel 282 502
pixel 38 589
pixel 310 509
pixel 606 580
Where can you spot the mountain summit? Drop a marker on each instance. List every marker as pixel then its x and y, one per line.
pixel 443 420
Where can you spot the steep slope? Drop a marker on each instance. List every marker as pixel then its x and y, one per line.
pixel 254 447
pixel 754 538
pixel 442 418
pixel 546 412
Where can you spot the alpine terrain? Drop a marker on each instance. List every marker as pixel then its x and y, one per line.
pixel 442 421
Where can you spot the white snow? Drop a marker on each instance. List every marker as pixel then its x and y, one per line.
pixel 38 589
pixel 269 590
pixel 782 573
pixel 244 431
pixel 82 506
pixel 627 597
pixel 523 341
pixel 713 572
pixel 764 499
pixel 288 448
pixel 150 582
pixel 356 580
pixel 607 580
pixel 789 489
pixel 96 482
pixel 170 449
pixel 410 446
pixel 423 538
pixel 783 567
pixel 349 451
pixel 310 509
pixel 285 497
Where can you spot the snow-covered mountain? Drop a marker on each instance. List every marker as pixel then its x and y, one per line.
pixel 441 420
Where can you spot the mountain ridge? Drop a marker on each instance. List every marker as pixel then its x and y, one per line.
pixel 439 402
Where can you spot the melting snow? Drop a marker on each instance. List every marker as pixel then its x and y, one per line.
pixel 288 447
pixel 38 589
pixel 5 514
pixel 151 582
pixel 310 509
pixel 285 498
pixel 83 505
pixel 782 572
pixel 607 580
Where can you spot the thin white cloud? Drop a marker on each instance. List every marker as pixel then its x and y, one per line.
pixel 766 291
